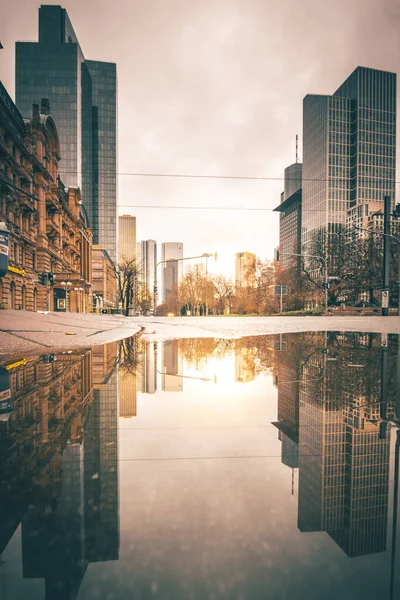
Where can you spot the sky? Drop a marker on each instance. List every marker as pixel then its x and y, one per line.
pixel 215 88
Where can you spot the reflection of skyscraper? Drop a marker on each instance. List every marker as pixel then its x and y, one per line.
pixel 147 369
pixel 127 392
pixel 172 271
pixel 245 368
pixel 172 367
pixel 288 367
pixel 344 461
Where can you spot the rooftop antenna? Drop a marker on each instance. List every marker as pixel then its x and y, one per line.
pixel 297 148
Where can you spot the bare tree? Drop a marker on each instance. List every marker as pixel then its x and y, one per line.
pixel 127 274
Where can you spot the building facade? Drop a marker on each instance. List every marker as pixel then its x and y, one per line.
pixel 290 217
pixel 147 263
pixel 49 231
pixel 244 264
pixel 173 269
pixel 83 96
pixel 126 238
pixel 104 290
pixel 349 153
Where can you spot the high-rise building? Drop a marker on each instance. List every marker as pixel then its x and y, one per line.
pixel 244 263
pixel 147 263
pixel 83 98
pixel 126 237
pixel 349 153
pixel 290 217
pixel 173 269
pixel 147 369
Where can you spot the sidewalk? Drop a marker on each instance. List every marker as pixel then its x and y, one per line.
pixel 33 332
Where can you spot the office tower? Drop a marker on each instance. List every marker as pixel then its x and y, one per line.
pixel 147 263
pixel 126 237
pixel 290 217
pixel 349 153
pixel 171 271
pixel 82 96
pixel 104 153
pixel 172 367
pixel 244 264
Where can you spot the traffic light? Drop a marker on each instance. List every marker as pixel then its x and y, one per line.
pixel 277 255
pixel 43 278
pixel 50 278
pixel 397 211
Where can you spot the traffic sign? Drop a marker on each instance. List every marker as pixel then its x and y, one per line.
pixel 385 298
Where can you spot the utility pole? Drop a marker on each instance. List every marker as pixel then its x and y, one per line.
pixel 386 257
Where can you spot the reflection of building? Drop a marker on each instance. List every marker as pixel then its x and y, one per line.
pixel 172 367
pixel 59 466
pixel 343 458
pixel 244 264
pixel 245 368
pixel 290 217
pixel 127 393
pixel 147 370
pixel 147 262
pixel 288 375
pixel 49 230
pixel 83 98
pixel 172 271
pixel 126 238
pixel 104 279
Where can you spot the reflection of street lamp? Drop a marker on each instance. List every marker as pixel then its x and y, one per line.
pixel 67 287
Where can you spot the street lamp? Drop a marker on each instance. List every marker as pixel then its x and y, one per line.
pixel 78 291
pixel 67 287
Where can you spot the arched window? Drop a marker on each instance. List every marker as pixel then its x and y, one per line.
pixel 12 295
pixel 23 297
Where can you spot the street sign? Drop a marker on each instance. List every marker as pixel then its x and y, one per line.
pixel 384 340
pixel 280 289
pixel 385 298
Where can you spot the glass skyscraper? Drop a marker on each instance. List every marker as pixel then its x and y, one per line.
pixel 349 152
pixel 83 97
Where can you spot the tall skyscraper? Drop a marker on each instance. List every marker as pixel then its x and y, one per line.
pixel 290 217
pixel 126 237
pixel 349 153
pixel 147 262
pixel 244 263
pixel 83 98
pixel 172 271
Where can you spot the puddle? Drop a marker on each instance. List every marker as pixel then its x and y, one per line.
pixel 259 468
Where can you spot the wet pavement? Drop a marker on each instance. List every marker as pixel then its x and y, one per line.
pixel 193 469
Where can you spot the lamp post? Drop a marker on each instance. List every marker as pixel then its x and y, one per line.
pixel 67 287
pixel 78 291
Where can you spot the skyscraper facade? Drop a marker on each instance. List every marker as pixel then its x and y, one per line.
pixel 126 237
pixel 290 217
pixel 82 97
pixel 244 263
pixel 349 152
pixel 173 269
pixel 147 262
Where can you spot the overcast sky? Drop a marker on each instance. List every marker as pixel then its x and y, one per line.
pixel 215 87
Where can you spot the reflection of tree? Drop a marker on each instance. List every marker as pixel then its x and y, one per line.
pixel 130 355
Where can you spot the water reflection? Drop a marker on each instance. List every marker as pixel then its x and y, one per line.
pixel 319 411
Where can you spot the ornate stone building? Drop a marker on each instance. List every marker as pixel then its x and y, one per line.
pixel 50 245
